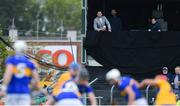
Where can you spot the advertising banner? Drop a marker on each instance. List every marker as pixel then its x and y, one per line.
pixel 60 56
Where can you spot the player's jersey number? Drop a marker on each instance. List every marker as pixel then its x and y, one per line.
pixel 20 70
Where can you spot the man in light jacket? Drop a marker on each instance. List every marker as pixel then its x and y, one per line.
pixel 101 23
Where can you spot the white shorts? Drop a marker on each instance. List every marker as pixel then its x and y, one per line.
pixel 141 101
pixel 18 99
pixel 69 102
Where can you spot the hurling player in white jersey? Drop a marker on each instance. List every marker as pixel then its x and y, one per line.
pixel 20 70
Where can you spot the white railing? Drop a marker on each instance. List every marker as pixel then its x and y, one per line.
pixel 147 92
pixel 98 98
pixel 111 94
pixel 93 81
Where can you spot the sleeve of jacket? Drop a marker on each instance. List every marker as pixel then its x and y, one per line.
pixel 95 25
pixel 107 23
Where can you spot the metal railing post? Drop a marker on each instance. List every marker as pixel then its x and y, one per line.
pixel 111 94
pixel 99 98
pixel 147 92
pixel 93 81
pixel 99 101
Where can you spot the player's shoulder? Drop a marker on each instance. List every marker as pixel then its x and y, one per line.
pixel 17 58
pixel 29 63
pixel 85 88
pixel 71 85
pixel 65 74
pixel 160 81
pixel 126 78
pixel 125 81
pixel 25 60
pixel 10 59
pixel 69 81
pixel 64 77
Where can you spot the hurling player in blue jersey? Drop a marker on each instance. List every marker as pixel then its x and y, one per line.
pixel 127 86
pixel 68 96
pixel 83 85
pixel 17 77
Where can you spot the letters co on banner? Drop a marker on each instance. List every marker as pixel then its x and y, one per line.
pixel 60 56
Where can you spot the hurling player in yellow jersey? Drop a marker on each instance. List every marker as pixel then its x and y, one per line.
pixel 165 94
pixel 71 74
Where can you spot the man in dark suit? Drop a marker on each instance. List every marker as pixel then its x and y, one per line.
pixel 155 26
pixel 165 71
pixel 115 21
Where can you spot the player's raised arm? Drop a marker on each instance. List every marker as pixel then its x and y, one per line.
pixel 137 83
pixel 146 82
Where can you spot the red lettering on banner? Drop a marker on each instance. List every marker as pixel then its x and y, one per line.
pixel 68 55
pixel 55 56
pixel 42 52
